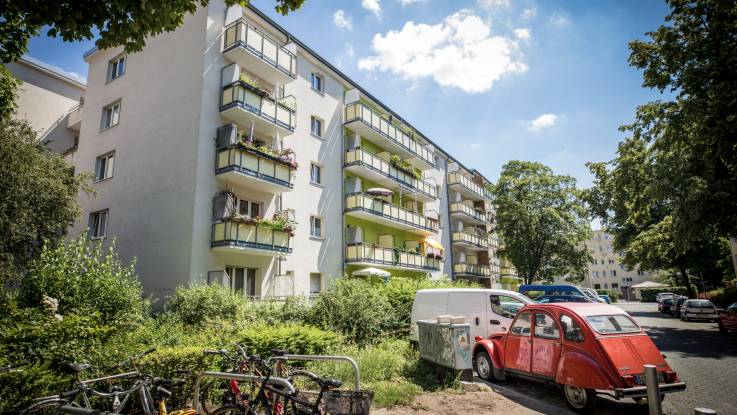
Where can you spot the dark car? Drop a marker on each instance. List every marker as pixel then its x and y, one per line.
pixel 546 299
pixel 728 319
pixel 665 305
pixel 675 310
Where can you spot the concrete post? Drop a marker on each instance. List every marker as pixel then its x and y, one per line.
pixel 653 391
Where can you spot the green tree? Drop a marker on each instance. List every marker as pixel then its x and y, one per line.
pixel 118 22
pixel 691 135
pixel 38 196
pixel 543 221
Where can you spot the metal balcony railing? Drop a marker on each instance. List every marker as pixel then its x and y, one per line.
pixel 467 238
pixel 242 34
pixel 232 233
pixel 471 269
pixel 243 95
pixel 253 163
pixel 457 207
pixel 376 206
pixel 359 156
pixel 458 178
pixel 395 257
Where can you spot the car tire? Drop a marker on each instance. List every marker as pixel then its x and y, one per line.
pixel 483 365
pixel 579 399
pixel 722 329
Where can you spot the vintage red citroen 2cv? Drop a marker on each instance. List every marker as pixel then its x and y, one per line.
pixel 587 348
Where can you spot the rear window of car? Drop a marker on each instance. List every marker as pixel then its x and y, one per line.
pixel 614 324
pixel 668 301
pixel 700 304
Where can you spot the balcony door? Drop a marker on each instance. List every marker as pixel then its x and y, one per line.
pixel 242 280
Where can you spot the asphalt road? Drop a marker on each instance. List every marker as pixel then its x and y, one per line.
pixel 703 357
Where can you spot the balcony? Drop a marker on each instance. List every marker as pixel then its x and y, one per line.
pixel 364 206
pixel 467 214
pixel 475 270
pixel 363 163
pixel 250 238
pixel 374 127
pixel 254 169
pixel 248 46
pixel 391 258
pixel 244 104
pixel 467 187
pixel 469 241
pixel 74 117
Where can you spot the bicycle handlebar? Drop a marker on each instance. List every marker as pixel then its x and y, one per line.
pixel 12 366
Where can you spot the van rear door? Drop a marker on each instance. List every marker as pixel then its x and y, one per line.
pixel 472 306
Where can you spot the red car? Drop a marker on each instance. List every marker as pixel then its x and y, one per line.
pixel 728 319
pixel 587 348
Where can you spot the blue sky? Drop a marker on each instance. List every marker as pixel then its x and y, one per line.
pixel 488 80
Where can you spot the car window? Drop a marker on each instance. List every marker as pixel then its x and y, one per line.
pixel 618 323
pixel 521 326
pixel 505 306
pixel 699 304
pixel 545 326
pixel 571 330
pixel 732 307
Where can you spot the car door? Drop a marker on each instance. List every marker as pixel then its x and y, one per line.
pixel 731 320
pixel 518 344
pixel 546 345
pixel 472 306
pixel 501 311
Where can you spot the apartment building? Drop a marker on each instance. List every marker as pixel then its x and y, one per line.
pixel 229 152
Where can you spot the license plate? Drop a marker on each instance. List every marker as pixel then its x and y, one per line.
pixel 640 379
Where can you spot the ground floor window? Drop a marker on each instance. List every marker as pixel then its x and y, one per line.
pixel 315 282
pixel 242 280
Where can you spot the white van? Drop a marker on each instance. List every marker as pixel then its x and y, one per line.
pixel 486 310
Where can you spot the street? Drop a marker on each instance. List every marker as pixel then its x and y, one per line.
pixel 703 357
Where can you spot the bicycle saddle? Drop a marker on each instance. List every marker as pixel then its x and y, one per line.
pixel 329 383
pixel 72 367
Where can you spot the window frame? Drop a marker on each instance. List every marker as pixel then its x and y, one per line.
pixel 111 106
pixel 249 207
pixel 313 227
pixel 319 276
pixel 516 319
pixel 319 167
pixel 504 313
pixel 555 327
pixel 94 222
pixel 109 167
pixel 313 120
pixel 321 81
pixel 115 63
pixel 582 336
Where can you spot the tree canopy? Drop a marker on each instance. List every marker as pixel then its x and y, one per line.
pixel 542 221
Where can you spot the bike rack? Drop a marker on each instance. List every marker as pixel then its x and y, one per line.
pixel 223 375
pixel 356 371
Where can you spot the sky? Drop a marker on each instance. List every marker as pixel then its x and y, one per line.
pixel 487 80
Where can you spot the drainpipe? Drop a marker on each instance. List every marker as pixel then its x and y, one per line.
pixel 447 202
pixel 342 195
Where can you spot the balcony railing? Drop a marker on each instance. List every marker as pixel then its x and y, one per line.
pixel 366 203
pixel 242 34
pixel 456 207
pixel 478 190
pixel 253 163
pixel 471 269
pixel 467 238
pixel 242 95
pixel 74 117
pixel 394 257
pixel 374 120
pixel 359 156
pixel 237 234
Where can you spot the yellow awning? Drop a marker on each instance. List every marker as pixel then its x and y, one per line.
pixel 435 244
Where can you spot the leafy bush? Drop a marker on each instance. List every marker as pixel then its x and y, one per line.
pixel 298 339
pixel 613 294
pixel 291 310
pixel 723 297
pixel 393 393
pixel 19 388
pixel 648 294
pixel 86 280
pixel 200 303
pixel 381 362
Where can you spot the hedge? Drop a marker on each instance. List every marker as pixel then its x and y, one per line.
pixel 613 294
pixel 648 294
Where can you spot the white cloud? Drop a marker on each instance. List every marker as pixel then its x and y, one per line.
pixel 374 6
pixel 410 2
pixel 341 20
pixel 492 4
pixel 522 34
pixel 543 121
pixel 459 52
pixel 528 13
pixel 349 50
pixel 558 20
pixel 347 53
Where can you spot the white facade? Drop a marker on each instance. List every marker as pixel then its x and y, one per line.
pixel 170 118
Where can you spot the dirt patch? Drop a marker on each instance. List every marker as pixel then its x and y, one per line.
pixel 458 403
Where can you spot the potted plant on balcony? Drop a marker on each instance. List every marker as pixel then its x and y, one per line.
pixel 402 165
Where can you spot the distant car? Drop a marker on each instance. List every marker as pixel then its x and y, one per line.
pixel 698 310
pixel 546 299
pixel 592 295
pixel 665 305
pixel 675 310
pixel 728 319
pixel 606 298
pixel 662 296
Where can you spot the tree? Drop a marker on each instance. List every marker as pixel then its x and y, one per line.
pixel 125 23
pixel 542 220
pixel 38 196
pixel 692 138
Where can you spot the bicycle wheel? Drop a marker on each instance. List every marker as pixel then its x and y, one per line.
pixel 44 407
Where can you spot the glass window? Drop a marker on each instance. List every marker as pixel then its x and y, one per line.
pixel 316 126
pixel 110 115
pixel 116 68
pixel 104 167
pixel 505 306
pixel 571 330
pixel 315 226
pixel 98 224
pixel 316 173
pixel 315 282
pixel 248 208
pixel 317 83
pixel 618 323
pixel 545 326
pixel 521 325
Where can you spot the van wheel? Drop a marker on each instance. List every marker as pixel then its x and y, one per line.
pixel 484 365
pixel 580 399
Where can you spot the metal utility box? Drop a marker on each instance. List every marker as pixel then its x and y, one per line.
pixel 446 344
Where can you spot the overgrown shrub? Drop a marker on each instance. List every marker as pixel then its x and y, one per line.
pixel 200 303
pixel 613 294
pixel 19 388
pixel 723 297
pixel 648 294
pixel 298 339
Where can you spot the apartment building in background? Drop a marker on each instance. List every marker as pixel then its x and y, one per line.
pixel 229 152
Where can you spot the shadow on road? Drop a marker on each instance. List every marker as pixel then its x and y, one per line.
pixel 693 341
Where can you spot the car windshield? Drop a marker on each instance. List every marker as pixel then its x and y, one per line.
pixel 700 304
pixel 668 301
pixel 618 323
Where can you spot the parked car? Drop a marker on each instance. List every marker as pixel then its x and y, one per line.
pixel 728 319
pixel 675 309
pixel 698 310
pixel 606 298
pixel 536 290
pixel 660 296
pixel 587 348
pixel 487 310
pixel 665 305
pixel 545 299
pixel 593 295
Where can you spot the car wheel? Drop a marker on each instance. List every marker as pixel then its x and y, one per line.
pixel 484 366
pixel 580 399
pixel 722 329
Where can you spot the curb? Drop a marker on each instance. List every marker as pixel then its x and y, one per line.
pixel 525 400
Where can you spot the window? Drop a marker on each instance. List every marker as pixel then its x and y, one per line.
pixel 606 285
pixel 242 280
pixel 571 330
pixel 615 285
pixel 315 227
pixel 249 208
pixel 545 326
pixel 521 326
pixel 315 283
pixel 613 273
pixel 116 68
pixel 596 274
pixel 505 306
pixel 597 286
pixel 317 83
pixel 110 115
pixel 611 261
pixel 315 173
pixel 104 166
pixel 98 224
pixel 618 323
pixel 316 126
pixel 639 272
